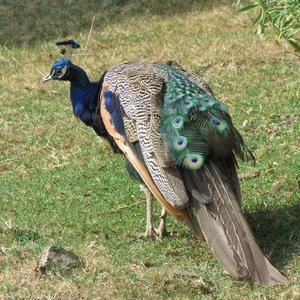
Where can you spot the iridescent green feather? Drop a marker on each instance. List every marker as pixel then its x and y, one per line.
pixel 191 119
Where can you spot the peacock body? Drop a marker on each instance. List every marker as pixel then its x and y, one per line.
pixel 177 122
pixel 180 141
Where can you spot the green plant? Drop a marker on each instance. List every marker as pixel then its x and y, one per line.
pixel 281 16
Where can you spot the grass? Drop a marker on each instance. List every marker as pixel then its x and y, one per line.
pixel 61 185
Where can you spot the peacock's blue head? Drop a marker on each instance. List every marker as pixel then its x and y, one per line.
pixel 60 70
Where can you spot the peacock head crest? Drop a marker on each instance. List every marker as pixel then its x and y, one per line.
pixel 62 68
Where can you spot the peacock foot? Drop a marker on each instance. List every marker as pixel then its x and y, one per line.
pixel 151 232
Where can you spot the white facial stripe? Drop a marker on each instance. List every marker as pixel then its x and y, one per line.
pixel 51 74
pixel 48 76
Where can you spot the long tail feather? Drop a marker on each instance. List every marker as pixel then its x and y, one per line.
pixel 225 229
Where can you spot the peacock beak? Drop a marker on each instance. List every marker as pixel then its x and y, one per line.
pixel 48 77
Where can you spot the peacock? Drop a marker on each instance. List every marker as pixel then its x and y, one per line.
pixel 179 141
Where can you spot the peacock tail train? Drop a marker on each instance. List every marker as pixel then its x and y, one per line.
pixel 194 123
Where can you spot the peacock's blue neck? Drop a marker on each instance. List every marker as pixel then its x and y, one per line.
pixel 84 97
pixel 83 94
pixel 78 77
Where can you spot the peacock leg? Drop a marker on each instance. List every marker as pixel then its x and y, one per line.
pixel 150 230
pixel 161 230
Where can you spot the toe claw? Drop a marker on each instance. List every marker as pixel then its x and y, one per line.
pixel 153 233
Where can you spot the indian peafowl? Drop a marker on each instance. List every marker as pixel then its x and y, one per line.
pixel 180 142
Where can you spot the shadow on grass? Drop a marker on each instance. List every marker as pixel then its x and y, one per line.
pixel 29 22
pixel 277 230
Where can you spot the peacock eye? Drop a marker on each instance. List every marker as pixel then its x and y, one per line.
pixel 58 71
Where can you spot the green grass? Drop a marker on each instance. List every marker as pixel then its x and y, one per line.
pixel 61 185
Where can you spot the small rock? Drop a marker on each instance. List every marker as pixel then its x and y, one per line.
pixel 245 123
pixel 59 257
pixel 92 245
pixel 2 250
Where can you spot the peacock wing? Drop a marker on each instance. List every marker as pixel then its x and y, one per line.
pixel 139 88
pixel 119 136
